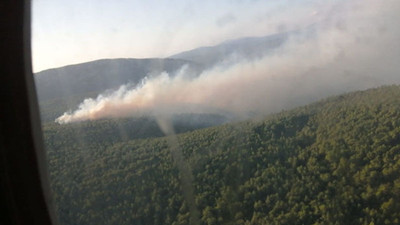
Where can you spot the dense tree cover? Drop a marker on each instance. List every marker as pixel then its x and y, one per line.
pixel 333 162
pixel 109 131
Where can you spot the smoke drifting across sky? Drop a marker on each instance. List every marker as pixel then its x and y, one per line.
pixel 356 46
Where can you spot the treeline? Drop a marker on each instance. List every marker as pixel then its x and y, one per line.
pixel 109 131
pixel 333 162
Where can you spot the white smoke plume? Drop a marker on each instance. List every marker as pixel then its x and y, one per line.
pixel 355 46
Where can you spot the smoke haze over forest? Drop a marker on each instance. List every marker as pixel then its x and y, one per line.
pixel 354 47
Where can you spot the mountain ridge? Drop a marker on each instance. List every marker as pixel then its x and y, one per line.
pixel 247 47
pixel 61 89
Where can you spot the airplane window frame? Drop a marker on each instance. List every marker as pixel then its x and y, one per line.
pixel 24 184
pixel 24 181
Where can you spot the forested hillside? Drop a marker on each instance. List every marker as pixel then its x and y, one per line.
pixel 336 161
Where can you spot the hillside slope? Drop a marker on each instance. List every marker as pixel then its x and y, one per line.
pixel 100 75
pixel 245 48
pixel 249 48
pixel 63 88
pixel 336 161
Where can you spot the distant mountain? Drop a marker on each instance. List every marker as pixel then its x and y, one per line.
pixel 100 75
pixel 63 88
pixel 248 48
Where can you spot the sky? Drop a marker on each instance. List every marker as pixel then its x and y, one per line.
pixel 75 31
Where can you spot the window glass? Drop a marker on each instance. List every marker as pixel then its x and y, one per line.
pixel 220 112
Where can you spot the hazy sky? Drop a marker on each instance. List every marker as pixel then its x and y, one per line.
pixel 73 31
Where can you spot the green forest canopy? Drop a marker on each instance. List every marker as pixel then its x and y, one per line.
pixel 336 161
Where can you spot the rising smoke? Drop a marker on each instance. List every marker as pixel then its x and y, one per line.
pixel 355 46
